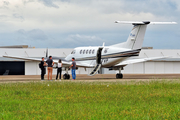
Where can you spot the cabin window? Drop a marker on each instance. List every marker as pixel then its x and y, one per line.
pixel 86 51
pixel 80 51
pixel 106 49
pixel 89 51
pixel 93 52
pixel 83 51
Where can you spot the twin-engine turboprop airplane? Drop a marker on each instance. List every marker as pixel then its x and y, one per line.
pixel 113 57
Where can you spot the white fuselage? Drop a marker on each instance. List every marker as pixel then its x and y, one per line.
pixel 110 56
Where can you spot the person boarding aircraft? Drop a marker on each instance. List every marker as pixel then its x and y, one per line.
pixel 114 57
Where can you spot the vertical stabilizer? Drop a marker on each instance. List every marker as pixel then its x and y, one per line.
pixel 136 37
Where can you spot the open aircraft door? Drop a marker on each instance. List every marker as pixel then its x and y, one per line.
pixel 98 62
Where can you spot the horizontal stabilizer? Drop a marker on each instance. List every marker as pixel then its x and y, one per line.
pixel 143 22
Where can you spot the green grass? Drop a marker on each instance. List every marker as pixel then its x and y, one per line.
pixel 90 100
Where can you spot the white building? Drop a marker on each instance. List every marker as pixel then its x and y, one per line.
pixel 19 67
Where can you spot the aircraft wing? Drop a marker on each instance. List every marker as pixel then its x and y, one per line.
pixel 34 59
pixel 132 61
pixel 78 64
pixel 65 63
pixel 23 58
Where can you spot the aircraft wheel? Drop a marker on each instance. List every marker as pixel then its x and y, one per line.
pixel 119 76
pixel 68 76
pixel 65 76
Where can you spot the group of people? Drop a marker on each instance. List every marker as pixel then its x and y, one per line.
pixel 50 63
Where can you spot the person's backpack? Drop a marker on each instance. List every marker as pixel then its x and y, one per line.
pixel 40 65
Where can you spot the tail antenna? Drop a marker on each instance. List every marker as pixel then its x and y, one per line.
pixel 103 44
pixel 46 52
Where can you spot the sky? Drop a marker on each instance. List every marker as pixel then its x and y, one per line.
pixel 75 23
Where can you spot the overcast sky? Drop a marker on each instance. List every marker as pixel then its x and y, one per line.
pixel 74 23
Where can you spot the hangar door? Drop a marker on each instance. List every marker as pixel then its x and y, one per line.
pixel 12 67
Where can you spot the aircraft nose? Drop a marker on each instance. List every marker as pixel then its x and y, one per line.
pixel 68 58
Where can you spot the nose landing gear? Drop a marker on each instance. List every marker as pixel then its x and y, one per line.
pixel 66 75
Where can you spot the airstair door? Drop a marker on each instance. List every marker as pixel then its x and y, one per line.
pixel 98 62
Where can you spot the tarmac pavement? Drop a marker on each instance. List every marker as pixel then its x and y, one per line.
pixel 98 77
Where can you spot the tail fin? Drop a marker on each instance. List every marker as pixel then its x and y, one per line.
pixel 136 37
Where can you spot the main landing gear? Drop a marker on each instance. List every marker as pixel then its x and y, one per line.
pixel 66 75
pixel 119 75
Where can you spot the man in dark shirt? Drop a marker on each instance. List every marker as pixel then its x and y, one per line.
pixel 73 70
pixel 43 70
pixel 50 65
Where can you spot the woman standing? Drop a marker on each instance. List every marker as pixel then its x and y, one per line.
pixel 59 70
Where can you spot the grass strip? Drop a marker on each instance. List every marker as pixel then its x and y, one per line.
pixel 90 100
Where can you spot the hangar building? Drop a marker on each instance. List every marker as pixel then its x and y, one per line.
pixel 19 67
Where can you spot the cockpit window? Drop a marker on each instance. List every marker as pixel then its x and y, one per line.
pixel 73 52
